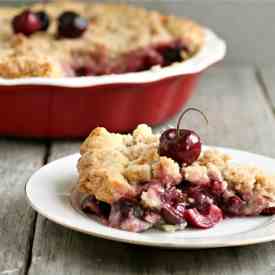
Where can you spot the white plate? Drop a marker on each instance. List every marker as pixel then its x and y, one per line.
pixel 48 192
pixel 214 50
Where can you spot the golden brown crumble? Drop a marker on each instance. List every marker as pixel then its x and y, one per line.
pixel 113 29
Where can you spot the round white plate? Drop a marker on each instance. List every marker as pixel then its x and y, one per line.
pixel 48 192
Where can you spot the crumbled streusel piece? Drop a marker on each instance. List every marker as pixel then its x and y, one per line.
pixel 100 139
pixel 213 172
pixel 215 157
pixel 265 185
pixel 16 65
pixel 250 179
pixel 241 178
pixel 196 173
pixel 152 197
pixel 167 170
pixel 138 172
pixel 101 173
pixel 215 165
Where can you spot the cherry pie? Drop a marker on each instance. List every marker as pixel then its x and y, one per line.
pixel 80 39
pixel 139 181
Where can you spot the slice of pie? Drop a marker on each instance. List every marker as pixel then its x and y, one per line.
pixel 78 39
pixel 130 183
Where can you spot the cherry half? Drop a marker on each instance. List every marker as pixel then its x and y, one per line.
pixel 196 219
pixel 182 145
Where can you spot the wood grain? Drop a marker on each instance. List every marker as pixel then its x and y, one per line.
pixel 60 149
pixel 18 160
pixel 267 77
pixel 239 117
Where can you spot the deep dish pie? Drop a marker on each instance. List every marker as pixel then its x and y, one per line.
pixel 130 182
pixel 79 39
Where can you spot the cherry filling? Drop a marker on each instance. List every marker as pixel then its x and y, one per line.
pixel 173 214
pixel 163 54
pixel 94 206
pixel 268 211
pixel 246 205
pixel 204 220
pixel 198 205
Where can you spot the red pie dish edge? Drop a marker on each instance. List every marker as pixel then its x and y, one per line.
pixel 70 107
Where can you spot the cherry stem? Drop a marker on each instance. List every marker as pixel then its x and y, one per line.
pixel 183 114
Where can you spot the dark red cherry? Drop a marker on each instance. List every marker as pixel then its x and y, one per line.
pixel 84 70
pixel 173 53
pixel 182 145
pixel 196 219
pixel 44 20
pixel 173 215
pixel 105 208
pixel 233 206
pixel 26 22
pixel 185 148
pixel 71 25
pixel 268 211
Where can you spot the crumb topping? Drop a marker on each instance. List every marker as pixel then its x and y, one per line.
pixel 113 165
pixel 245 179
pixel 114 30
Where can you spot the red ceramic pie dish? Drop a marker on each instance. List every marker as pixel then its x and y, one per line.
pixel 71 107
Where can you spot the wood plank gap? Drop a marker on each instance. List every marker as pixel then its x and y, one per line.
pixel 264 89
pixel 30 245
pixel 48 146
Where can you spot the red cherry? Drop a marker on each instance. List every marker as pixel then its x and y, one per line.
pixel 233 206
pixel 196 219
pixel 71 25
pixel 173 215
pixel 44 20
pixel 26 22
pixel 182 145
pixel 85 70
pixel 268 211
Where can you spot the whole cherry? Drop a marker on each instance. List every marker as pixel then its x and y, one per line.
pixel 182 145
pixel 26 22
pixel 44 20
pixel 71 25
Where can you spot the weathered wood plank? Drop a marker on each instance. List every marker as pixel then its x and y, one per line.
pixel 239 117
pixel 60 149
pixel 18 160
pixel 267 76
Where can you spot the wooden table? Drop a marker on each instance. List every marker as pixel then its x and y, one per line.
pixel 239 103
